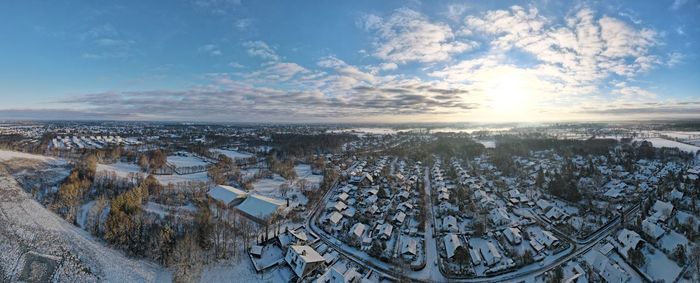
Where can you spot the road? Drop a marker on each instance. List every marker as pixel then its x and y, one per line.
pixel 428 274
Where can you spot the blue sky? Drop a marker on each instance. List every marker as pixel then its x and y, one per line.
pixel 354 61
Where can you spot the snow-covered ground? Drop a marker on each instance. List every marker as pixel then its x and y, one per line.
pixel 25 225
pixel 270 187
pixel 304 172
pixel 6 155
pixel 658 266
pixel 186 160
pixel 488 144
pixel 174 178
pixel 661 142
pixel 233 154
pixel 163 210
pixel 242 270
pixel 122 169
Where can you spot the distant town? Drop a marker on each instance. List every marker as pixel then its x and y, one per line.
pixel 146 201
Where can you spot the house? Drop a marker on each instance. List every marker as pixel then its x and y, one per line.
pixel 555 214
pixel 500 216
pixel 662 210
pixel 333 275
pixel 304 260
pixel 384 231
pixel 293 237
pixel 410 248
pixel 335 218
pixel 260 208
pixel 652 229
pixel 357 231
pixel 490 253
pixel 449 224
pixel 342 197
pixel 340 206
pixel 609 270
pixel 451 242
pixel 513 235
pixel 256 251
pixel 628 240
pixel 543 204
pixel 545 238
pixel 399 218
pixel 227 195
pixel 475 256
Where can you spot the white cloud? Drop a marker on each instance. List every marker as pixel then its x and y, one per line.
pixel 677 4
pixel 210 49
pixel 408 36
pixel 261 50
pixel 388 66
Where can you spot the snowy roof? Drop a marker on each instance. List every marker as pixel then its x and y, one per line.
pixel 335 217
pixel 628 240
pixel 410 247
pixel 651 228
pixel 610 271
pixel 543 204
pixel 662 209
pixel 513 235
pixel 260 207
pixel 452 242
pixel 399 217
pixel 307 253
pixel 226 194
pixel 358 229
pixel 386 229
pixel 449 223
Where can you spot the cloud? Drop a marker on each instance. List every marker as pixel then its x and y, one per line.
pixel 278 72
pixel 455 11
pixel 677 4
pixel 261 50
pixel 210 49
pixel 105 41
pixel 674 58
pixel 576 56
pixel 408 36
pixel 219 7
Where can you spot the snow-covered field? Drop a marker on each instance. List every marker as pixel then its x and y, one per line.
pixel 488 144
pixel 658 266
pixel 186 160
pixel 304 172
pixel 6 155
pixel 233 154
pixel 26 226
pixel 271 188
pixel 120 168
pixel 174 178
pixel 660 142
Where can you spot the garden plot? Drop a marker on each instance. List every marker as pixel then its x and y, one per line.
pixel 121 169
pixel 271 187
pixel 233 154
pixel 661 142
pixel 164 210
pixel 182 160
pixel 658 266
pixel 304 172
pixel 176 179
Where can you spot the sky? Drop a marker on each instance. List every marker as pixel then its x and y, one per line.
pixel 350 61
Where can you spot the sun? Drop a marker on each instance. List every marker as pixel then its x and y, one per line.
pixel 508 93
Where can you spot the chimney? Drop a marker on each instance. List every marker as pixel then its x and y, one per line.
pixel 303 252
